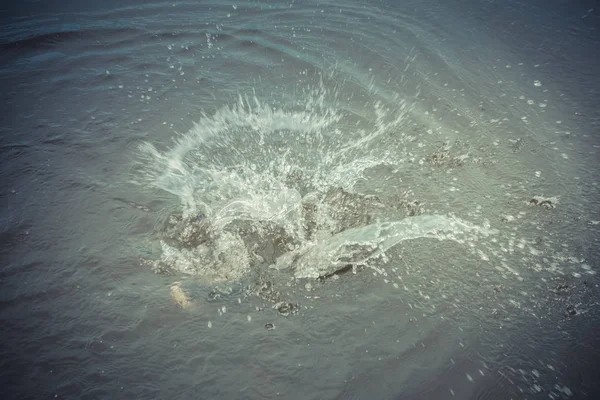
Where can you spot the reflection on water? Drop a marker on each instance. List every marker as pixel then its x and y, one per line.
pixel 339 200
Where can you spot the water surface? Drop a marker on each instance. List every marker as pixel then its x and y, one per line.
pixel 302 200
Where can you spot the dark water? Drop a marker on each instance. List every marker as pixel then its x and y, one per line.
pixel 501 105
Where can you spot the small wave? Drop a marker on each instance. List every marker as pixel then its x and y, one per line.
pixel 48 40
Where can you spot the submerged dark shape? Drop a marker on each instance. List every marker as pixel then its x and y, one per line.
pixel 226 248
pixel 343 270
pixel 571 311
pixel 269 326
pixel 546 202
pixel 251 250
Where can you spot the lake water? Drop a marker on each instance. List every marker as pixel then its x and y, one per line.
pixel 300 200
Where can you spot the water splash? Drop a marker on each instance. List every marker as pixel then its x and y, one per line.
pixel 361 245
pixel 275 188
pixel 256 181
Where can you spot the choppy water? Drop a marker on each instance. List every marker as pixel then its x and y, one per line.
pixel 302 200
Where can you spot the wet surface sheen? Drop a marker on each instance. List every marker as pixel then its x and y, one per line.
pixel 300 200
